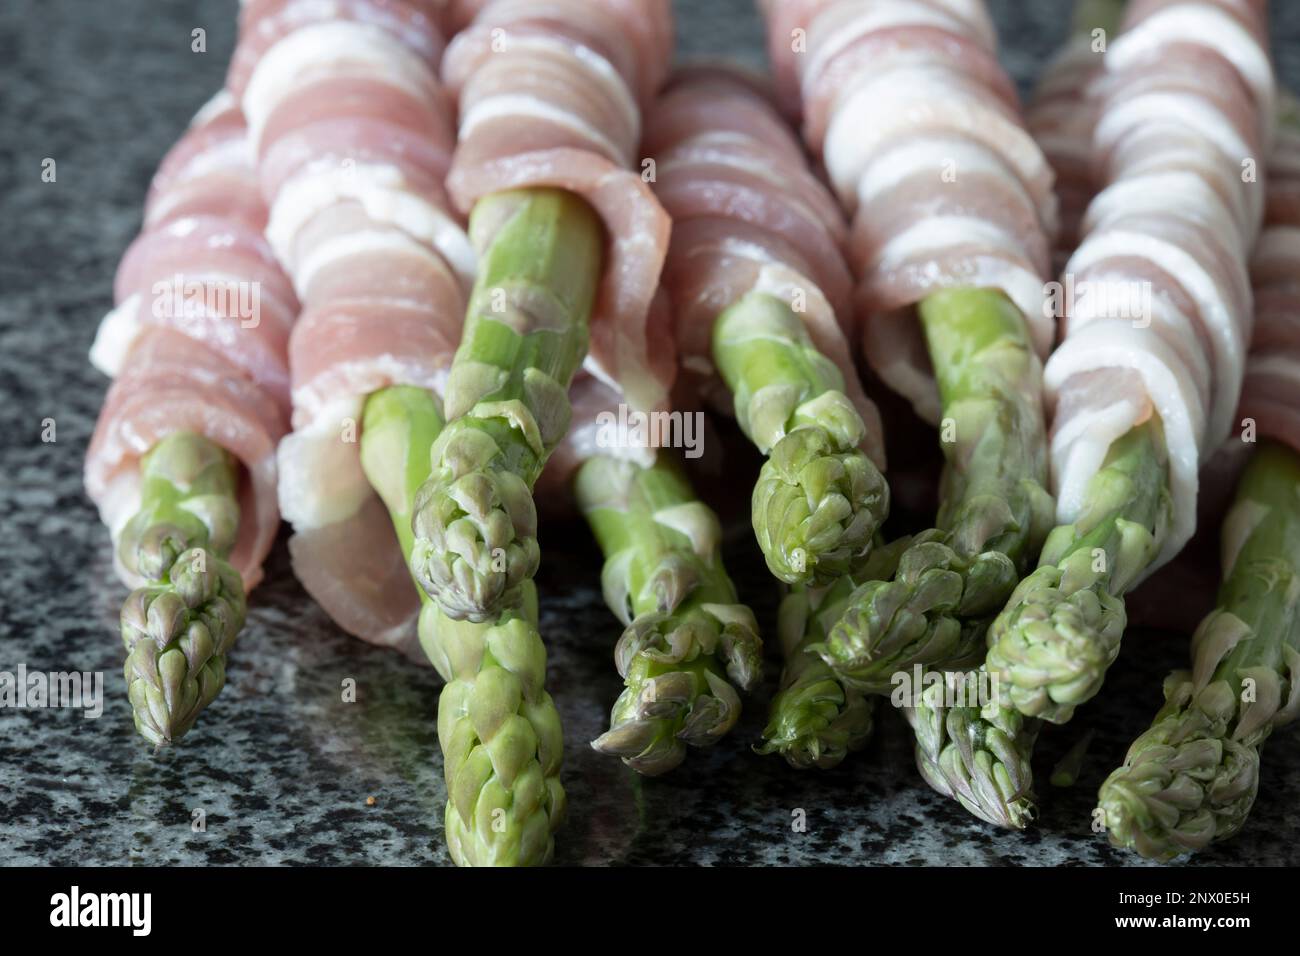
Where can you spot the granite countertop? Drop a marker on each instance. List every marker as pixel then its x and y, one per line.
pixel 281 767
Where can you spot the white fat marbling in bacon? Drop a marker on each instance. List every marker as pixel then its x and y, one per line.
pixel 921 135
pixel 263 24
pixel 748 215
pixel 354 138
pixel 1184 111
pixel 796 31
pixel 197 340
pixel 549 93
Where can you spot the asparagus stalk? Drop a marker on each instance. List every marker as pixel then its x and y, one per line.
pixel 816 719
pixel 1062 626
pixel 1191 778
pixel 687 639
pixel 507 403
pixel 819 499
pixel 981 755
pixel 994 506
pixel 179 627
pixel 499 729
pixel 994 512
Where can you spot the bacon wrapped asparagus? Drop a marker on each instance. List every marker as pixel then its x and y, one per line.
pixel 760 300
pixel 182 461
pixel 981 753
pixel 550 99
pixel 1149 371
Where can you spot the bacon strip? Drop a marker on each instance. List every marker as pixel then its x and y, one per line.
pixel 550 94
pixel 1270 396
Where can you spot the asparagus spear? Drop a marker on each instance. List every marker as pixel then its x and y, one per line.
pixel 499 729
pixel 506 401
pixel 179 627
pixel 815 719
pixel 819 499
pixel 1061 628
pixel 1192 777
pixel 994 507
pixel 686 635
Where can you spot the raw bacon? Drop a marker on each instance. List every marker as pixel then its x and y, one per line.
pixel 1270 396
pixel 197 339
pixel 1182 592
pixel 1061 117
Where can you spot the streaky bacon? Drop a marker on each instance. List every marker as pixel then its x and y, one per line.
pixel 921 134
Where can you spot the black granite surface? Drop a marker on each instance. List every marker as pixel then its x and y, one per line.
pixel 280 766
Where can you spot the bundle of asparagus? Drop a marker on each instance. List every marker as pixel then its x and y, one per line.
pixel 182 462
pixel 943 136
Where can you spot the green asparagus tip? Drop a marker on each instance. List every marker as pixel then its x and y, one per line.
pixel 978 755
pixel 1061 629
pixel 927 615
pixel 506 402
pixel 475 532
pixel 819 499
pixel 675 694
pixel 1052 646
pixel 816 507
pixel 178 627
pixel 177 633
pixel 817 723
pixel 1185 782
pixel 815 719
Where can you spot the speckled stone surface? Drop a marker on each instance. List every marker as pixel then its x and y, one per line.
pixel 281 767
